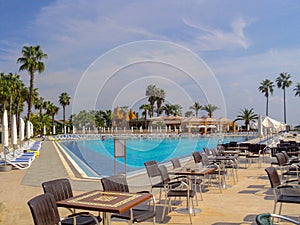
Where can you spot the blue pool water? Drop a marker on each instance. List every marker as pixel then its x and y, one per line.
pixel 96 157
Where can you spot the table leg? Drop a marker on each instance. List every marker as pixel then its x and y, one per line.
pixel 106 218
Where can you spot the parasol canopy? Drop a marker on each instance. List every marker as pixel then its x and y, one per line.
pixel 14 132
pixel 5 129
pixel 28 130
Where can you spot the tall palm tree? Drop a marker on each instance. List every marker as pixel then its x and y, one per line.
pixel 31 61
pixel 210 109
pixel 247 115
pixel 177 110
pixel 283 82
pixel 196 107
pixel 52 110
pixel 160 98
pixel 151 93
pixel 297 89
pixel 146 109
pixel 169 109
pixel 267 88
pixel 21 97
pixel 64 100
pixel 39 105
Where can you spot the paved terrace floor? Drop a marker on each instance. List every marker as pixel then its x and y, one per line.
pixel 236 205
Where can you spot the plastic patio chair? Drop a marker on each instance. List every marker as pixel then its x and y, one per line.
pixel 196 181
pixel 182 191
pixel 283 193
pixel 61 189
pixel 155 177
pixel 44 211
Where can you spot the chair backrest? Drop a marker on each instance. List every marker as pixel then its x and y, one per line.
pixel 152 168
pixel 176 163
pixel 197 157
pixel 164 174
pixel 205 160
pixel 286 156
pixel 207 151
pixel 60 188
pixel 273 176
pixel 44 209
pixel 115 183
pixel 280 158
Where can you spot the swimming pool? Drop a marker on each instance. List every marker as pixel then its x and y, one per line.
pixel 96 157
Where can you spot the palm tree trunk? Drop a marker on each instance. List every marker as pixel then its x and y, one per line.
pixel 64 116
pixel 284 106
pixel 30 94
pixel 267 107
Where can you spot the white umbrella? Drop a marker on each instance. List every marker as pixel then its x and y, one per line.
pixel 260 127
pixel 21 130
pixel 44 130
pixel 14 132
pixel 31 129
pixel 28 129
pixel 5 129
pixel 54 129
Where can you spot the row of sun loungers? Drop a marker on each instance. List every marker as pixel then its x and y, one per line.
pixel 22 157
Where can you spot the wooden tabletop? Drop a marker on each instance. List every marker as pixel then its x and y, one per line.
pixel 195 172
pixel 223 157
pixel 113 202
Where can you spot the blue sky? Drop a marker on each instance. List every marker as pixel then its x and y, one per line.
pixel 105 53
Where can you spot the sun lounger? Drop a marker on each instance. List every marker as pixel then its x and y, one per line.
pixel 18 163
pixel 13 154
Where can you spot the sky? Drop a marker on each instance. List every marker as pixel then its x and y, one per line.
pixel 105 53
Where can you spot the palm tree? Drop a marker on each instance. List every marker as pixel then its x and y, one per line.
pixel 196 107
pixel 210 109
pixel 39 105
pixel 177 110
pixel 283 82
pixel 52 110
pixel 32 62
pixel 151 93
pixel 146 108
pixel 64 100
pixel 160 98
pixel 266 87
pixel 169 109
pixel 247 115
pixel 297 89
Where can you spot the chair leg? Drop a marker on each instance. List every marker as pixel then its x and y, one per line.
pixel 164 210
pixel 280 207
pixel 200 190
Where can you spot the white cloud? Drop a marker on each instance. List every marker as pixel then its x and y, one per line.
pixel 210 38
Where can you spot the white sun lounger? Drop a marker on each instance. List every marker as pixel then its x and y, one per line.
pixel 18 163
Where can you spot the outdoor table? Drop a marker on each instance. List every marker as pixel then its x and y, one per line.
pixel 230 152
pixel 189 172
pixel 106 202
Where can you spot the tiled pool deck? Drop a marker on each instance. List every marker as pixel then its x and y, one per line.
pixel 238 204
